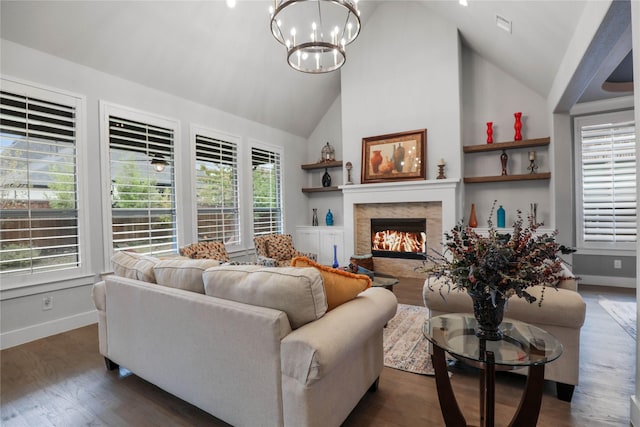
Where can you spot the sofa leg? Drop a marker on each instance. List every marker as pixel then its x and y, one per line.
pixel 565 391
pixel 374 386
pixel 110 365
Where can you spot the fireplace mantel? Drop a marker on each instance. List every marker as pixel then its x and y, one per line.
pixel 440 190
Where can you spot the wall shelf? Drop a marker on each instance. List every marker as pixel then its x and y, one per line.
pixel 525 143
pixel 505 178
pixel 319 189
pixel 322 165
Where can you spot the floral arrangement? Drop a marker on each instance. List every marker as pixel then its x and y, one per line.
pixel 498 265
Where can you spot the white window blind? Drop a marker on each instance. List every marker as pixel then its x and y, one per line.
pixel 608 180
pixel 38 184
pixel 143 213
pixel 267 191
pixel 217 190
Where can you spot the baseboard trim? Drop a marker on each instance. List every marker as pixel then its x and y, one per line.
pixel 618 282
pixel 42 330
pixel 635 412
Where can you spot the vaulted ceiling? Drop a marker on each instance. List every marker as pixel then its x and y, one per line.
pixel 227 59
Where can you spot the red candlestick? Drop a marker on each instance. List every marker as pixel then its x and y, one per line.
pixel 489 132
pixel 518 126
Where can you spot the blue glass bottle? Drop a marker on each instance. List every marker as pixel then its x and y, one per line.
pixel 335 256
pixel 501 219
pixel 329 218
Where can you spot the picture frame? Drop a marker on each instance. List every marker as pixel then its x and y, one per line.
pixel 394 157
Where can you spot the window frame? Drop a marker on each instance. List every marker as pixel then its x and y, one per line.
pixel 197 130
pixel 595 247
pixel 108 109
pixel 18 280
pixel 280 152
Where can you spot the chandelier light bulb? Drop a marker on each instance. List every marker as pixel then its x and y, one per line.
pixel 271 10
pixel 305 55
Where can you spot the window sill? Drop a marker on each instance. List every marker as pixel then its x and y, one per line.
pixel 17 290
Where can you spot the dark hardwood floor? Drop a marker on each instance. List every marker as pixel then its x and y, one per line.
pixel 62 381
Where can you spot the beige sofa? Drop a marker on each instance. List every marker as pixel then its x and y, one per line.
pixel 561 314
pixel 252 345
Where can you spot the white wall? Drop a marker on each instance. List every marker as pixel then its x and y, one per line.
pixel 23 313
pixel 402 74
pixel 491 95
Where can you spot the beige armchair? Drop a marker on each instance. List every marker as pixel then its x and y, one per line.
pixel 561 314
pixel 276 250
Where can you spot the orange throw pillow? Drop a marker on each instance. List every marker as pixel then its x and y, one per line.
pixel 339 285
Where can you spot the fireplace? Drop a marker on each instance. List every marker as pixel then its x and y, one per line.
pixel 399 237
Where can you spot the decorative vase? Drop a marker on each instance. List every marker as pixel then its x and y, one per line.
pixel 518 126
pixel 489 132
pixel 329 218
pixel 488 315
pixel 501 217
pixel 398 157
pixel 326 178
pixel 314 220
pixel 473 221
pixel 376 159
pixel 335 256
pixel 503 159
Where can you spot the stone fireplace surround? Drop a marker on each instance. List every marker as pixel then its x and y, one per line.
pixel 436 200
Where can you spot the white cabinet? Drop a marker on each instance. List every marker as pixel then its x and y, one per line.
pixel 320 240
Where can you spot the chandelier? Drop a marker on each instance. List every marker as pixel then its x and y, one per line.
pixel 315 32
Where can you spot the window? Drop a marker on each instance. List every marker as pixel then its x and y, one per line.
pixel 217 190
pixel 267 191
pixel 143 207
pixel 607 181
pixel 40 222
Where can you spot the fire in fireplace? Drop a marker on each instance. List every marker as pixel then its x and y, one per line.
pixel 399 237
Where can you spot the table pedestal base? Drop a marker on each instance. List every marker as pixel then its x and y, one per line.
pixel 525 416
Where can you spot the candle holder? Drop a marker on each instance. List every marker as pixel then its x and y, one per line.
pixel 441 172
pixel 532 162
pixel 349 166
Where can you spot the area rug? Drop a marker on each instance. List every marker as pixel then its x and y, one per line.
pixel 405 347
pixel 624 312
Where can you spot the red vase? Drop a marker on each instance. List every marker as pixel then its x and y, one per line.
pixel 489 132
pixel 473 221
pixel 518 126
pixel 376 159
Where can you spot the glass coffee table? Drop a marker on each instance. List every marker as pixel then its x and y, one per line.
pixel 523 345
pixel 384 280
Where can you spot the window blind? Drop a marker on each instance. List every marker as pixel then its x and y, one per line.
pixel 143 213
pixel 267 191
pixel 608 164
pixel 217 190
pixel 38 185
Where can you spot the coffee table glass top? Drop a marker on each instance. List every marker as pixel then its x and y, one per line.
pixel 522 345
pixel 380 279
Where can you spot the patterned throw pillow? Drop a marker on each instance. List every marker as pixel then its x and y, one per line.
pixel 280 247
pixel 206 250
pixel 260 243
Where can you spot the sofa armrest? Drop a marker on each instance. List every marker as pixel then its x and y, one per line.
pixel 313 350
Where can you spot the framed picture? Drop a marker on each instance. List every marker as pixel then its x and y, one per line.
pixel 394 157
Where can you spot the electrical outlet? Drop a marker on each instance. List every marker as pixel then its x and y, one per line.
pixel 47 303
pixel 617 263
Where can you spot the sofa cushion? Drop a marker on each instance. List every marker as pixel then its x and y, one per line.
pixel 340 286
pixel 296 291
pixel 560 307
pixel 134 266
pixel 183 274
